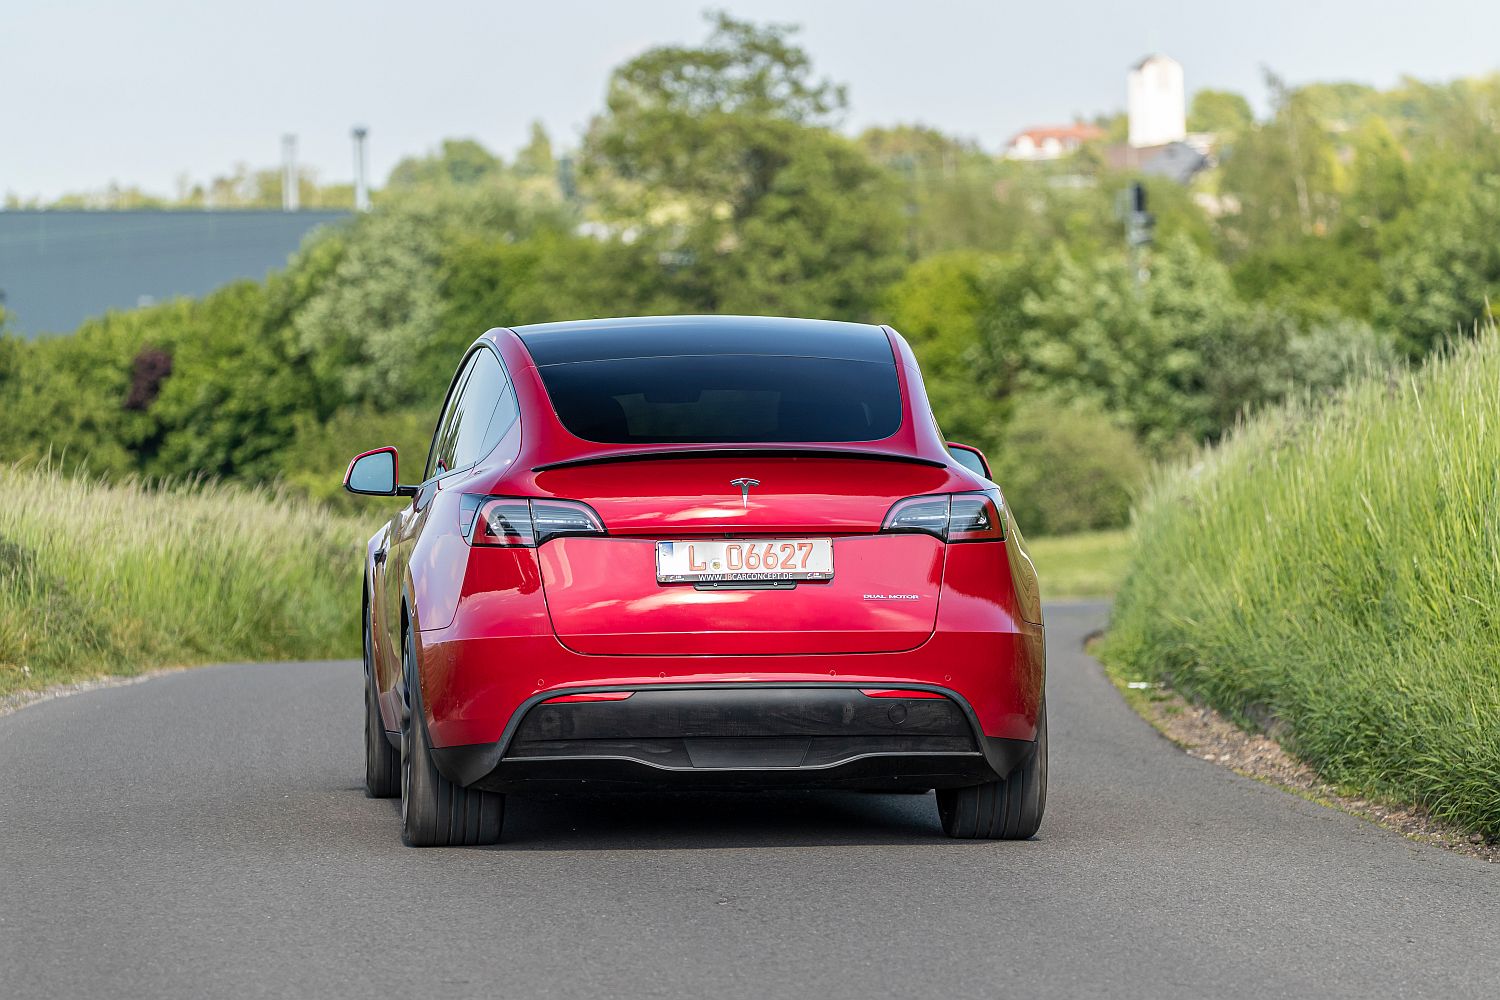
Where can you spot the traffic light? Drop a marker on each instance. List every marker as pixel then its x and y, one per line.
pixel 1139 223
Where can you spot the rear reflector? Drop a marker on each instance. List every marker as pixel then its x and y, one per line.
pixel 589 696
pixel 898 693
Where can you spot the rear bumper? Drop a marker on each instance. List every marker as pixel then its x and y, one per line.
pixel 739 734
pixel 475 688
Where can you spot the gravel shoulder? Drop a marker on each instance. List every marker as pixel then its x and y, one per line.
pixel 1204 733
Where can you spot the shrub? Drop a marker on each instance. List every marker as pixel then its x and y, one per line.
pixel 313 464
pixel 1067 468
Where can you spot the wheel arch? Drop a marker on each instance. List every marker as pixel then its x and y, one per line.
pixel 407 633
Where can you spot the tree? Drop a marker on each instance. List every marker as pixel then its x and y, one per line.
pixel 73 391
pixel 1178 358
pixel 1220 111
pixel 1441 280
pixel 691 130
pixel 743 69
pixel 1342 105
pixel 1068 467
pixel 458 163
pixel 715 160
pixel 113 197
pixel 1314 278
pixel 229 407
pixel 961 312
pixel 1381 185
pixel 1284 174
pixel 535 158
pixel 948 187
pixel 374 325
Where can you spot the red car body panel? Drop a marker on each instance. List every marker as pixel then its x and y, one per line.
pixel 479 670
pixel 494 628
pixel 603 598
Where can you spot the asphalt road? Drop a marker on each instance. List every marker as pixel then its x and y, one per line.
pixel 204 834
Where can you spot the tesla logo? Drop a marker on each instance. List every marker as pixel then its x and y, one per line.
pixel 744 484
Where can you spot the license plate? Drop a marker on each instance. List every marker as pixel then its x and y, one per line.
pixel 745 559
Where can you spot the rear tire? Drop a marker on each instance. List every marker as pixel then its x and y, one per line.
pixel 436 812
pixel 1009 809
pixel 382 761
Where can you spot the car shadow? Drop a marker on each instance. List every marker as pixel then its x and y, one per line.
pixel 715 819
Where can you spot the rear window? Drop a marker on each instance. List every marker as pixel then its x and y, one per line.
pixel 725 398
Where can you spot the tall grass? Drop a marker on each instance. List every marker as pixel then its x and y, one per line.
pixel 98 578
pixel 1332 574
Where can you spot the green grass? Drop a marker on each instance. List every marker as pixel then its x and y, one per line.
pixel 1089 564
pixel 1332 574
pixel 116 579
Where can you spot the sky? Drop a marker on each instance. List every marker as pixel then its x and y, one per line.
pixel 141 92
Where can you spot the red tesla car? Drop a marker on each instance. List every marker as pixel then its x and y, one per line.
pixel 729 551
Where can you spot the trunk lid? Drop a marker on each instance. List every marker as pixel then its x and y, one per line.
pixel 603 596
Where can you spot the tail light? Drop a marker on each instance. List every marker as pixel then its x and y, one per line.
pixel 509 521
pixel 956 517
pixel 975 517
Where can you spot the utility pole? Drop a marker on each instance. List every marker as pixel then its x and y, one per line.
pixel 290 195
pixel 906 163
pixel 361 185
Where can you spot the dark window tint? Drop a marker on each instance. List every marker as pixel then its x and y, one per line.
pixel 677 336
pixel 440 460
pixel 725 398
pixel 480 411
pixel 476 410
pixel 504 418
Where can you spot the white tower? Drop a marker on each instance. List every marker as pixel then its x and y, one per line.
pixel 1156 101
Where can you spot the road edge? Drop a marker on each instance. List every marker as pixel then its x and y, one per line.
pixel 1201 732
pixel 17 700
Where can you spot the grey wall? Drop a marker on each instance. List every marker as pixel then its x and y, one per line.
pixel 59 268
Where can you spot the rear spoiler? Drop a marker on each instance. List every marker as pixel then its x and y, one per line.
pixel 601 458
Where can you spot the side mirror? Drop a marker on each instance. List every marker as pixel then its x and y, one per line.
pixel 970 458
pixel 374 474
